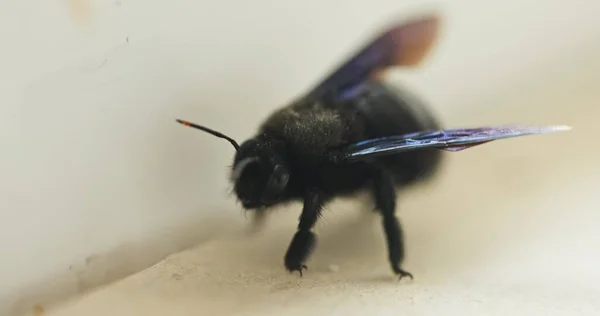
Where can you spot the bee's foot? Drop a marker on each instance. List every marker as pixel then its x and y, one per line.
pixel 402 273
pixel 297 267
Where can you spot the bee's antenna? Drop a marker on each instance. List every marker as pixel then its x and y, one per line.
pixel 210 131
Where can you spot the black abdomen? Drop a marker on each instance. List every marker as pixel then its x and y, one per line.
pixel 389 111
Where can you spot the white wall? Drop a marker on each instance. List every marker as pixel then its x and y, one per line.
pixel 92 161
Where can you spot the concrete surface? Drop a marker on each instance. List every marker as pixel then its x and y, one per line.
pixel 509 228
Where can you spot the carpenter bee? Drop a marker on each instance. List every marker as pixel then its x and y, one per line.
pixel 353 132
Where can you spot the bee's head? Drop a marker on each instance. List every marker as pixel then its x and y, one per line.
pixel 259 175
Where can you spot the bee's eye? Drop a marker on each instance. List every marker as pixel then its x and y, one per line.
pixel 276 184
pixel 282 178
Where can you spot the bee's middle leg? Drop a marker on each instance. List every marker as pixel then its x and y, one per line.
pixel 384 193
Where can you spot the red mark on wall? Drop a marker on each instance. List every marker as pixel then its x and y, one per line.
pixel 80 11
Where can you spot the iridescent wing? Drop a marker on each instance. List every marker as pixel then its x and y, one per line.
pixel 448 139
pixel 404 44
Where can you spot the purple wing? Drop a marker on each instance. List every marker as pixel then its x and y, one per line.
pixel 449 139
pixel 405 44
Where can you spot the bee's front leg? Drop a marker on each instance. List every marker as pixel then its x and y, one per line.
pixel 258 221
pixel 304 240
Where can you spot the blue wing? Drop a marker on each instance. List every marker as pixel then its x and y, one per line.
pixel 448 139
pixel 404 44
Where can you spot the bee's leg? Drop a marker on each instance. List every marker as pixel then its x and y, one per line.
pixel 304 240
pixel 385 201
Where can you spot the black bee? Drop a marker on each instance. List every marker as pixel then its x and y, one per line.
pixel 353 132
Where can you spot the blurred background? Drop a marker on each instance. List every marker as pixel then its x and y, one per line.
pixel 98 182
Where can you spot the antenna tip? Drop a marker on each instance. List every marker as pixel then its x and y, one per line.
pixel 186 123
